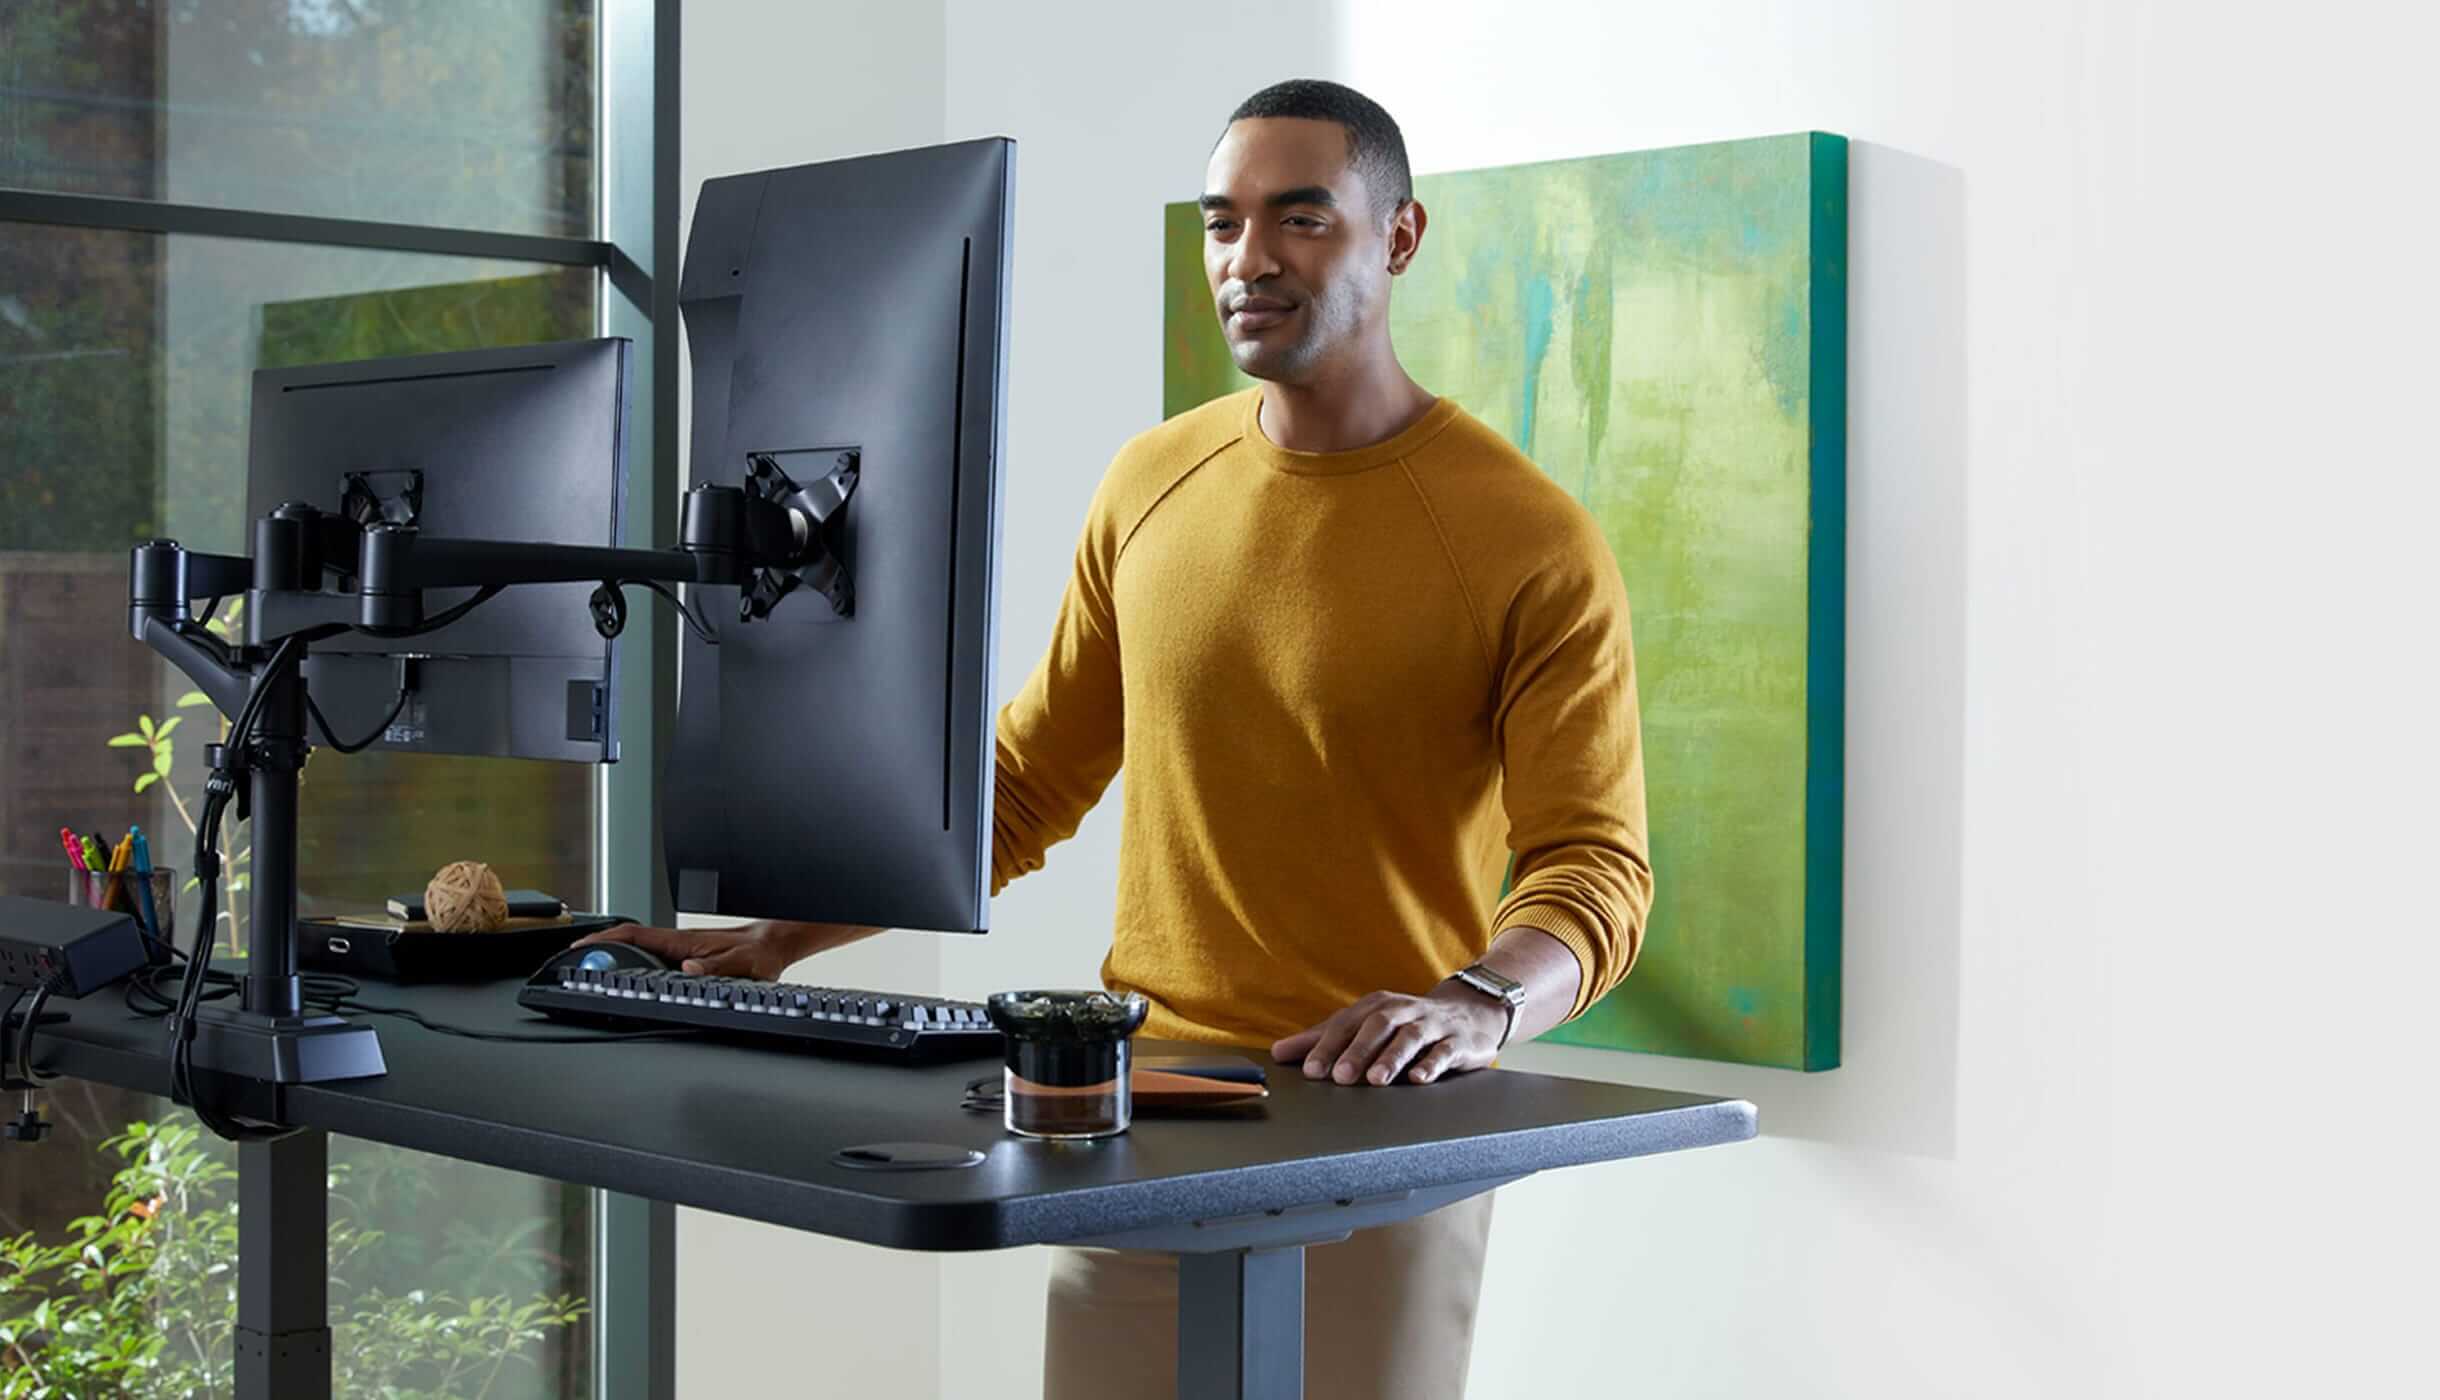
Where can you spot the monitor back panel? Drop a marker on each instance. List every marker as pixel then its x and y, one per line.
pixel 832 768
pixel 519 443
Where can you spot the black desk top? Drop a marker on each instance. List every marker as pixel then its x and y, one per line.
pixel 750 1132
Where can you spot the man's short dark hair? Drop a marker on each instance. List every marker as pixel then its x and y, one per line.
pixel 1374 146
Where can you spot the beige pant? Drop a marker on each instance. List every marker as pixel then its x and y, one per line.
pixel 1389 1313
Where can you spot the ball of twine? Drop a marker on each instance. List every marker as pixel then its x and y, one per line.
pixel 465 897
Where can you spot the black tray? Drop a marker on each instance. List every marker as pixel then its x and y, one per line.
pixel 404 955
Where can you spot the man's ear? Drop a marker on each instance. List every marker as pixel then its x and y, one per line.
pixel 1405 235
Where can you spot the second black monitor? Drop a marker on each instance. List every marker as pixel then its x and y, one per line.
pixel 524 442
pixel 837 767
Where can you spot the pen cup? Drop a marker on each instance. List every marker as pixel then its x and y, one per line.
pixel 1069 1054
pixel 100 889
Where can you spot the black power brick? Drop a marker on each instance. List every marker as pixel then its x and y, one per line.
pixel 75 951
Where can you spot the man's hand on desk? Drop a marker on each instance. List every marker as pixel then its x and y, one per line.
pixel 761 950
pixel 1388 1034
pixel 1453 1028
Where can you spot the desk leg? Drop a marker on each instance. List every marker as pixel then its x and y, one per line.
pixel 635 1286
pixel 283 1268
pixel 1241 1325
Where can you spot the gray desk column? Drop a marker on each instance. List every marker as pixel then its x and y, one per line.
pixel 283 1268
pixel 635 1284
pixel 1241 1324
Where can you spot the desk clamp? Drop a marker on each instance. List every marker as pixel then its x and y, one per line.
pixel 17 1070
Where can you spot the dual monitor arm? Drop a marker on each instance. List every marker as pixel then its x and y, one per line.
pixel 314 575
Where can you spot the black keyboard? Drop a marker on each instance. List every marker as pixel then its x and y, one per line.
pixel 882 1025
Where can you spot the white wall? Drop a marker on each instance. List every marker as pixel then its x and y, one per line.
pixel 2129 558
pixel 2138 747
pixel 768 85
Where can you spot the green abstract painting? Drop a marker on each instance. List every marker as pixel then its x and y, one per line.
pixel 1664 332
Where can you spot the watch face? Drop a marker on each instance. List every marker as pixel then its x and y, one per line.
pixel 1498 984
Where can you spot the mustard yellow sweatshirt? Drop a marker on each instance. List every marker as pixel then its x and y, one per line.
pixel 1344 687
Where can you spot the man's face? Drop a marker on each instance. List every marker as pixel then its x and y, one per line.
pixel 1298 260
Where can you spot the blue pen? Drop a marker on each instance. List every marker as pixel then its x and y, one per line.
pixel 139 860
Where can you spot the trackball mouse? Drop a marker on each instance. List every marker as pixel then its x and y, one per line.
pixel 598 957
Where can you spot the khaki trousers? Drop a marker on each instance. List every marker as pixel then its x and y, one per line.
pixel 1389 1313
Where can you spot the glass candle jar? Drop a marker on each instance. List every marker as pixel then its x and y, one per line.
pixel 1069 1054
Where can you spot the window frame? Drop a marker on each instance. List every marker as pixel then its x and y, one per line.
pixel 635 256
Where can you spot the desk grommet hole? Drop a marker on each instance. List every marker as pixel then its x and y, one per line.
pixel 906 1157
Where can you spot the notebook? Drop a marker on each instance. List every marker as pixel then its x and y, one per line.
pixel 522 904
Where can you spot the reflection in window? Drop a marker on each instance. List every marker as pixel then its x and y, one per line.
pixel 125 367
pixel 462 113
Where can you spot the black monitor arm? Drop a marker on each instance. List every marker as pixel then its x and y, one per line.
pixel 766 538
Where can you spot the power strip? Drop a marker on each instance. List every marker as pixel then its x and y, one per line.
pixel 75 950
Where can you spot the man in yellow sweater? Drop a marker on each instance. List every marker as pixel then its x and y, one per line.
pixel 1354 652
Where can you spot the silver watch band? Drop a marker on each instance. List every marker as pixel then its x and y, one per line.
pixel 1506 990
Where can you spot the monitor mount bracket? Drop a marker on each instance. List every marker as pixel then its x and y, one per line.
pixel 314 575
pixel 813 515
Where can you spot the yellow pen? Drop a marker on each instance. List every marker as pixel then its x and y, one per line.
pixel 120 855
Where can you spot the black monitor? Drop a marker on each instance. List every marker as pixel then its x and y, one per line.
pixel 834 760
pixel 525 443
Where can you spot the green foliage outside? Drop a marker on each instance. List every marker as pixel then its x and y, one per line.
pixel 161 756
pixel 426 320
pixel 123 415
pixel 455 1222
pixel 139 1299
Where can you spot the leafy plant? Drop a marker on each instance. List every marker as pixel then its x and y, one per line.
pixel 141 1300
pixel 161 756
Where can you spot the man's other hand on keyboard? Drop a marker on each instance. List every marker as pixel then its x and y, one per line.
pixel 761 950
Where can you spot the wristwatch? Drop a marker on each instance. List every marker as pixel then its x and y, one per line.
pixel 1498 986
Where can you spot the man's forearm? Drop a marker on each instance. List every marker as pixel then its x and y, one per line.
pixel 804 940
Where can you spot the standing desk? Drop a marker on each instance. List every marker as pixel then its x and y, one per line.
pixel 755 1133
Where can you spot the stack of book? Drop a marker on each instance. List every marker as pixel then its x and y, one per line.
pixel 526 909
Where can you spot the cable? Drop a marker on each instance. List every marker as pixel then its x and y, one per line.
pixel 150 931
pixel 25 1036
pixel 332 741
pixel 521 1037
pixel 694 620
pixel 398 704
pixel 241 729
pixel 332 994
pixel 8 1018
pixel 446 616
pixel 198 971
pixel 144 996
pixel 329 992
pixel 219 790
pixel 321 991
pixel 439 619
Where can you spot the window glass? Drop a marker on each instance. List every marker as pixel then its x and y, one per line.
pixel 125 365
pixel 461 113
